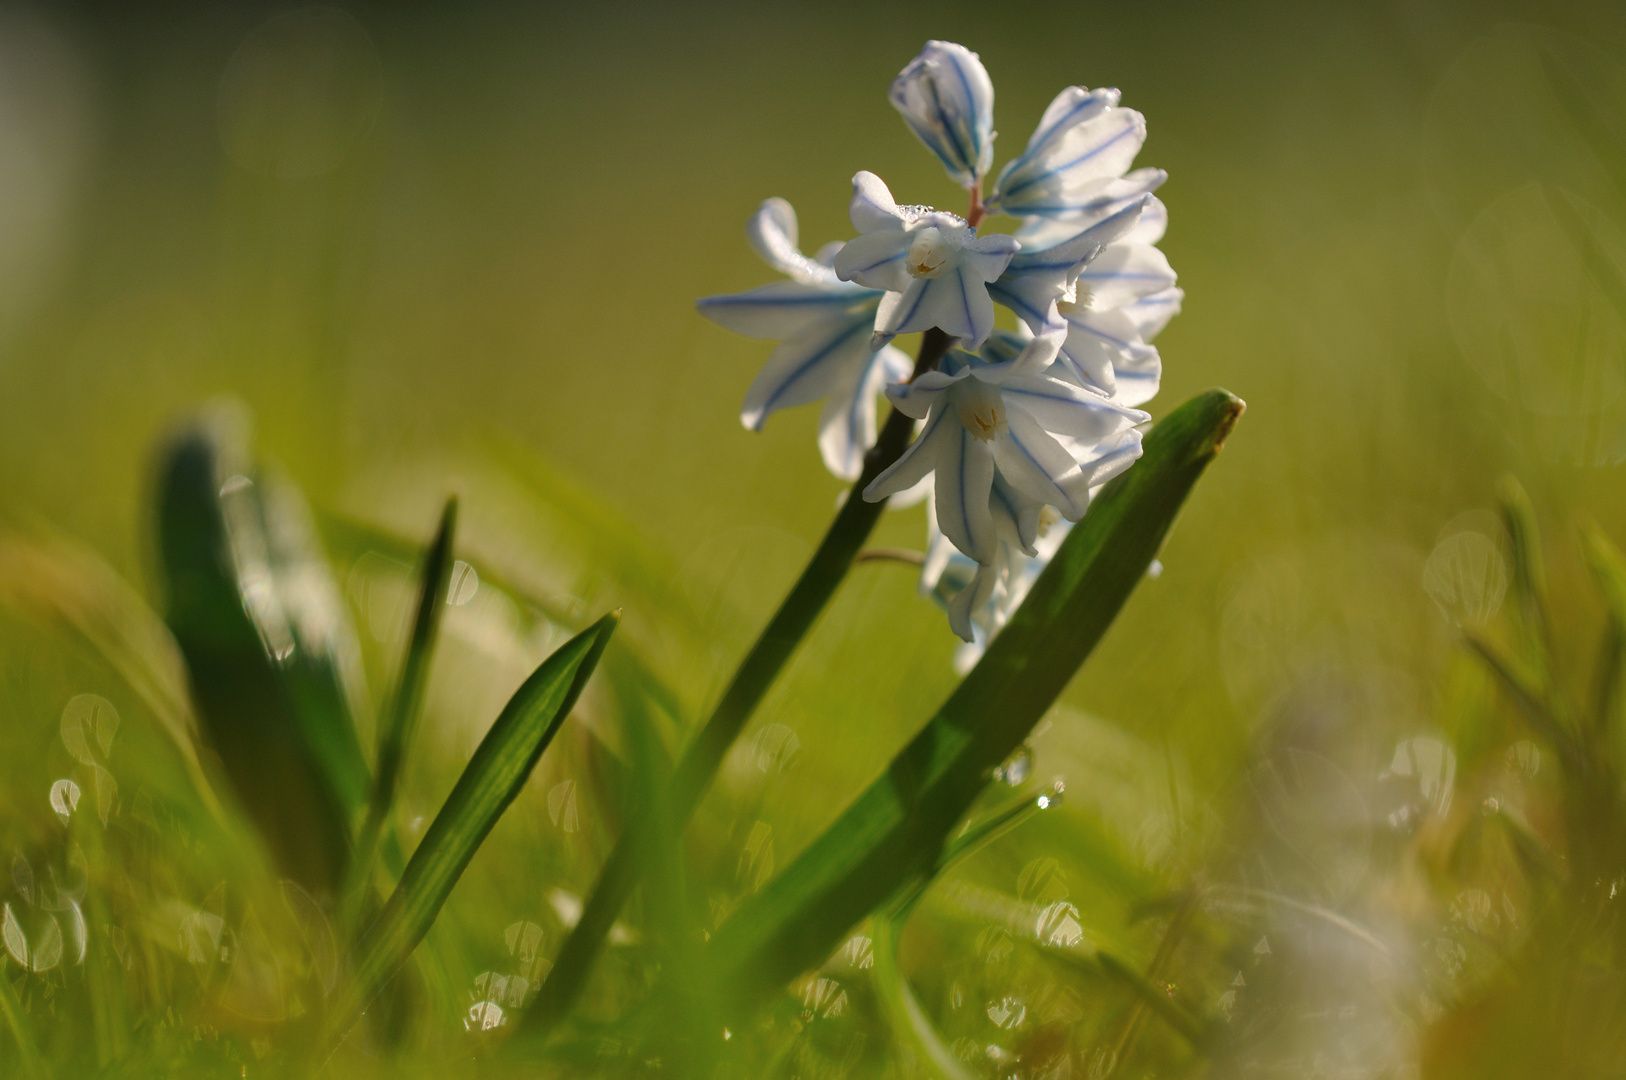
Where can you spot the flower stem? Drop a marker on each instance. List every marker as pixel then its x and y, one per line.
pixel 694 772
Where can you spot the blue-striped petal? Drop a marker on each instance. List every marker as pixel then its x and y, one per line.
pixel 847 423
pixel 785 308
pixel 772 231
pixel 806 367
pixel 965 473
pixel 947 99
pixel 1072 166
pixel 1033 463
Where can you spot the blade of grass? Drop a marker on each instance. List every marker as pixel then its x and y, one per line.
pixel 28 1054
pixel 903 1012
pixel 399 719
pixel 493 778
pixel 701 758
pixel 267 644
pixel 1529 700
pixel 895 830
pixel 1529 577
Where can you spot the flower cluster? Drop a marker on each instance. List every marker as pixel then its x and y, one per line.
pixel 1018 427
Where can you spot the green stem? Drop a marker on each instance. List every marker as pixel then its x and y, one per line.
pixel 824 572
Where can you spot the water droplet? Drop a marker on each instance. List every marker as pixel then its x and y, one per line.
pixel 523 939
pixel 22 876
pixel 1017 768
pixel 1058 924
pixel 86 717
pixel 1491 805
pixel 464 583
pixel 756 858
pixel 16 943
pixel 774 748
pixel 562 806
pixel 1007 1012
pixel 858 952
pixel 483 1016
pixel 64 799
pixel 1466 577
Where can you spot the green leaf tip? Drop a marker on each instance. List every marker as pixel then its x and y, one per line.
pixel 490 782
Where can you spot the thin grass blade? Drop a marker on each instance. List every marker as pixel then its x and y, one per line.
pixel 399 720
pixel 909 1022
pixel 896 830
pixel 494 776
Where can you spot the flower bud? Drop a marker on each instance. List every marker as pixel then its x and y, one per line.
pixel 947 100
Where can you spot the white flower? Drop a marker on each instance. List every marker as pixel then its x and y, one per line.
pixel 934 268
pixel 1084 142
pixel 824 326
pixel 1036 431
pixel 980 599
pixel 947 100
pixel 1039 278
pixel 1118 302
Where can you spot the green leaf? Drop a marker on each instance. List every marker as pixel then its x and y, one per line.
pixel 399 720
pixel 268 647
pixel 902 1010
pixel 704 754
pixel 493 778
pixel 896 829
pixel 33 1063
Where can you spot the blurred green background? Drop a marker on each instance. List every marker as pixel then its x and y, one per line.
pixel 429 246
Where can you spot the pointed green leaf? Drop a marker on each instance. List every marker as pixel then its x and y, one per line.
pixel 399 720
pixel 268 647
pixel 895 830
pixel 493 778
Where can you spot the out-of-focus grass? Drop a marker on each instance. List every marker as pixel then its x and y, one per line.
pixel 474 237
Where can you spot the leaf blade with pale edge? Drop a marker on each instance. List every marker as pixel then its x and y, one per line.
pixel 271 659
pixel 493 778
pixel 895 830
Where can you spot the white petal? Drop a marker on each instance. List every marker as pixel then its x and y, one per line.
pixel 965 473
pixel 917 460
pixel 806 367
pixel 916 398
pixel 1054 179
pixel 1035 355
pixel 1138 377
pixel 772 232
pixel 1108 460
pixel 1035 464
pixel 785 308
pixel 876 260
pixel 847 424
pixel 1150 314
pixel 987 256
pixel 872 208
pixel 947 99
pixel 969 600
pixel 1073 106
pixel 1064 408
pixel 1124 273
pixel 1095 203
pixel 1096 341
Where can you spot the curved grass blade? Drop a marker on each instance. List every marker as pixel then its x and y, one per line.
pixel 272 659
pixel 1529 576
pixel 399 719
pixel 909 1021
pixel 494 776
pixel 896 829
